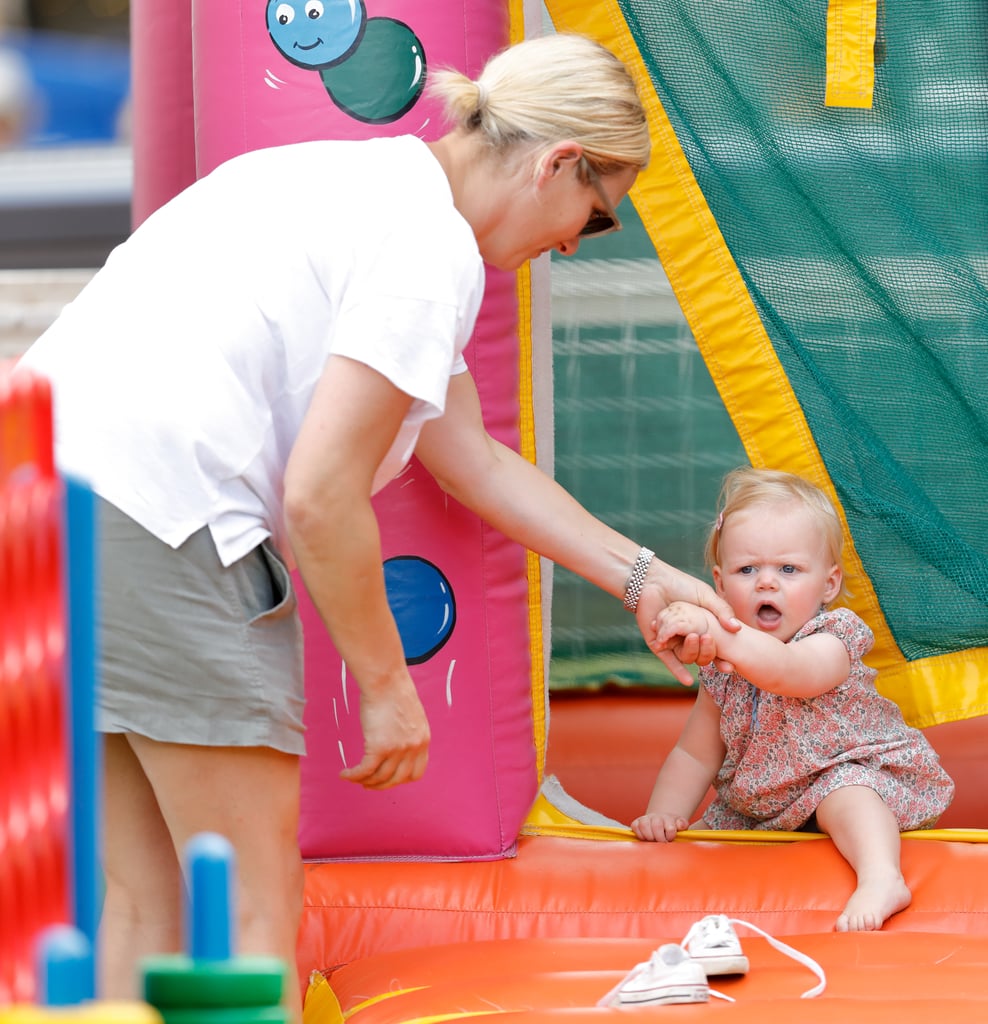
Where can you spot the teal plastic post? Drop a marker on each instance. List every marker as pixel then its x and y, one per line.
pixel 85 752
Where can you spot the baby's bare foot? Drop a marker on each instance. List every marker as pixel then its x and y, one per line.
pixel 873 903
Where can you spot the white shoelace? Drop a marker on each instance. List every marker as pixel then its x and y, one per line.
pixel 795 954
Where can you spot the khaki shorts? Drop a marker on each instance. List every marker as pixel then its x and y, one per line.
pixel 192 652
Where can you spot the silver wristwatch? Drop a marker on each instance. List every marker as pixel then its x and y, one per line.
pixel 636 580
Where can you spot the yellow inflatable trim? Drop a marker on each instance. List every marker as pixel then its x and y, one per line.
pixel 101 1012
pixel 851 27
pixel 322 1006
pixel 436 1018
pixel 545 819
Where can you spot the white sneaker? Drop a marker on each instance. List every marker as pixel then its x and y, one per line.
pixel 668 976
pixel 713 943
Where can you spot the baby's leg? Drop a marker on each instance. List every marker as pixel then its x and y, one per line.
pixel 867 834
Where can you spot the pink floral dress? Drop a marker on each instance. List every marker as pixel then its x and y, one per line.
pixel 785 754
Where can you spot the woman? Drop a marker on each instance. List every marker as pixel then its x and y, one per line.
pixel 257 360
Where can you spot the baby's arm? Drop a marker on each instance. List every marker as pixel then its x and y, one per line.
pixel 685 776
pixel 813 666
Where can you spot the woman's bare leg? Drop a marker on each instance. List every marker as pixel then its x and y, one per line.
pixel 867 835
pixel 142 909
pixel 250 795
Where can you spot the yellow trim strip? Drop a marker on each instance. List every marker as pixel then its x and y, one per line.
pixel 438 1018
pixel 516 21
pixel 576 830
pixel 947 688
pixel 548 820
pixel 380 998
pixel 545 819
pixel 851 27
pixel 526 427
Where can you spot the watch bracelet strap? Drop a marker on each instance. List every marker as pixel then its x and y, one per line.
pixel 633 588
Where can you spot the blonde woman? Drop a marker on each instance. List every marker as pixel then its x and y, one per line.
pixel 248 369
pixel 795 736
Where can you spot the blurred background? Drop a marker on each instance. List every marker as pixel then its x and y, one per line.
pixel 65 167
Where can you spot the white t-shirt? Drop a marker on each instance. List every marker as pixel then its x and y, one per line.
pixel 182 372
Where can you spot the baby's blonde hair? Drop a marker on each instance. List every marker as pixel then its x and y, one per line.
pixel 550 89
pixel 747 486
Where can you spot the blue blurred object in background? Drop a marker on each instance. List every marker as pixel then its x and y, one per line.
pixel 65 164
pixel 82 85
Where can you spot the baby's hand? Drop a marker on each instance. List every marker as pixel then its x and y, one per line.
pixel 658 827
pixel 680 619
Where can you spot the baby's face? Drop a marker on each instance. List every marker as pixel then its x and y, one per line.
pixel 774 568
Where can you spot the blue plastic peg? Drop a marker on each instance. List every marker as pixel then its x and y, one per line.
pixel 209 909
pixel 65 966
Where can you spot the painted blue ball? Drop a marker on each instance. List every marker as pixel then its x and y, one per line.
pixel 422 603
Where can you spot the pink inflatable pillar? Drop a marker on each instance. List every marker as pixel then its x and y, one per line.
pixel 162 124
pixel 260 78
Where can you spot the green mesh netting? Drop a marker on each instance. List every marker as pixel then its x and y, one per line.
pixel 641 438
pixel 862 236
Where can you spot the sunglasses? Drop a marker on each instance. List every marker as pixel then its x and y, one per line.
pixel 601 222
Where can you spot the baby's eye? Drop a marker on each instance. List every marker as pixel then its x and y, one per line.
pixel 746 570
pixel 789 569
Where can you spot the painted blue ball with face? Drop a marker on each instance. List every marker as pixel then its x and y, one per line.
pixel 316 33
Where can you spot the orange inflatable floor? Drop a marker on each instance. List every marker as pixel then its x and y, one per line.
pixel 878 977
pixel 580 897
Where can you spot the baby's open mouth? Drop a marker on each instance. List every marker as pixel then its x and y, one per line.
pixel 768 616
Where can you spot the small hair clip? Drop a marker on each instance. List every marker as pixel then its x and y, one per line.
pixel 720 522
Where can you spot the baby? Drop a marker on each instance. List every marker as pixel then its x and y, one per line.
pixel 788 725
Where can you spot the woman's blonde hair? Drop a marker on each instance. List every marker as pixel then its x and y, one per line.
pixel 747 486
pixel 551 89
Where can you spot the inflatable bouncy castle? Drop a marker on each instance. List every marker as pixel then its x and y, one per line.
pixel 815 202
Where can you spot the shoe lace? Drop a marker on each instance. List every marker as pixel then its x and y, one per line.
pixel 795 954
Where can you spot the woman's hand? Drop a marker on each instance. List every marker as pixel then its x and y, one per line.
pixel 396 739
pixel 665 585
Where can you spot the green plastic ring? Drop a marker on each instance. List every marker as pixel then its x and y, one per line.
pixel 179 982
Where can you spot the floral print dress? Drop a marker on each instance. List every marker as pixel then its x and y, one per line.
pixel 785 754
